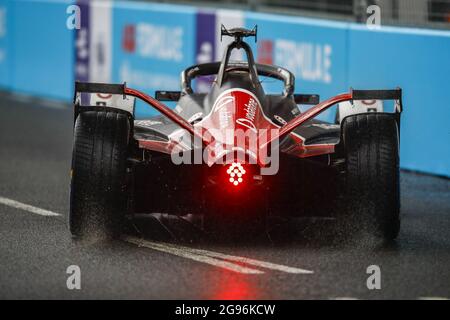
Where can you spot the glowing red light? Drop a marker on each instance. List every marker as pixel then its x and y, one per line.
pixel 236 172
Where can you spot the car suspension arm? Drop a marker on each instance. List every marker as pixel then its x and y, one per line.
pixel 395 94
pixel 165 110
pixel 123 90
pixel 311 113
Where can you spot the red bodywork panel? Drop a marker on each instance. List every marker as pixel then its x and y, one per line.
pixel 236 124
pixel 237 113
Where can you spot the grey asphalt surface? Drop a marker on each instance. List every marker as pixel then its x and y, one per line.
pixel 35 152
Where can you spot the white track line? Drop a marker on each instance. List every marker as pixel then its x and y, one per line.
pixel 200 255
pixel 27 207
pixel 212 254
pixel 254 262
pixel 182 252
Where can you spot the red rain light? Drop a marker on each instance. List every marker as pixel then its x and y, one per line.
pixel 236 172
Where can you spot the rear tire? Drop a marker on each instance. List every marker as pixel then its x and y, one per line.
pixel 371 185
pixel 98 194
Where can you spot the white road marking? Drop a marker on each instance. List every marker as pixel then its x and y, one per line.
pixel 27 207
pixel 212 254
pixel 182 252
pixel 200 255
pixel 254 262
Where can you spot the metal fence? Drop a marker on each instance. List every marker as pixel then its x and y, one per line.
pixel 414 13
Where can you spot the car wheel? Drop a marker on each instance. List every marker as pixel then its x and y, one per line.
pixel 371 184
pixel 98 194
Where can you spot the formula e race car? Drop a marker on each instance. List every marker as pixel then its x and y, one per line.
pixel 235 154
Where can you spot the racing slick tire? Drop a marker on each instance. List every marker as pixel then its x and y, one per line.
pixel 98 196
pixel 371 184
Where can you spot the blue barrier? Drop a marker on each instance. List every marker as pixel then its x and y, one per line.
pixel 153 43
pixel 419 62
pixel 147 45
pixel 315 51
pixel 5 43
pixel 43 49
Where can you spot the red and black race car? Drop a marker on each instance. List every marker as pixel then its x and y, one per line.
pixel 235 153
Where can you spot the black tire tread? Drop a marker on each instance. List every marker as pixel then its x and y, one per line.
pixel 372 185
pixel 98 191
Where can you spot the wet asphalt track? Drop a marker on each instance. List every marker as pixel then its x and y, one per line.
pixel 35 250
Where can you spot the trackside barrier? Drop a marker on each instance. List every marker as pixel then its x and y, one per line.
pixel 39 48
pixel 418 61
pixel 6 56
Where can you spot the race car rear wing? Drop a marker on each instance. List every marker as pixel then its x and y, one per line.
pixel 395 95
pixel 91 87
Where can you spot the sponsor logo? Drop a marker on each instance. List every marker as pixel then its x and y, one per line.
pixel 224 106
pixel 247 123
pixel 310 61
pixel 250 113
pixel 129 38
pixel 147 80
pixel 153 41
pixel 265 51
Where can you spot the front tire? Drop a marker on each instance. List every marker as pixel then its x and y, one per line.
pixel 371 187
pixel 98 194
